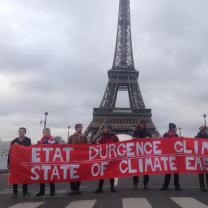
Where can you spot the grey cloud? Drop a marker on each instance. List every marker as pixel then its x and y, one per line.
pixel 64 49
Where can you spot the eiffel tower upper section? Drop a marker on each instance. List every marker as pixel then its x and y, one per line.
pixel 123 57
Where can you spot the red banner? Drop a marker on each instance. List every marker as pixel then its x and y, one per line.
pixel 64 163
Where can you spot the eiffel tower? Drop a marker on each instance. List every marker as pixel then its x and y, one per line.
pixel 122 77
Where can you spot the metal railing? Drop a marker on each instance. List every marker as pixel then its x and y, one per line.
pixel 121 110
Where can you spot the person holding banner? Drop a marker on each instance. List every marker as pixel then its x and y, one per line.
pixel 203 133
pixel 46 139
pixel 171 133
pixel 77 138
pixel 25 141
pixel 141 132
pixel 107 137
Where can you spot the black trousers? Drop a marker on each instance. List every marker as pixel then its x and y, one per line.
pixel 145 180
pixel 75 185
pixel 101 182
pixel 52 188
pixel 167 180
pixel 24 188
pixel 202 181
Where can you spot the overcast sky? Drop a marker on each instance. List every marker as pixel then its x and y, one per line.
pixel 54 56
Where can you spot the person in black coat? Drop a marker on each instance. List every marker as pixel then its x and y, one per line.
pixel 25 141
pixel 107 137
pixel 171 133
pixel 141 132
pixel 203 133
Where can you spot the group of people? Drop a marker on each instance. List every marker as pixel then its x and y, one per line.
pixel 107 136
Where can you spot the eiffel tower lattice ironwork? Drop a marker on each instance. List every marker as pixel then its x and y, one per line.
pixel 122 77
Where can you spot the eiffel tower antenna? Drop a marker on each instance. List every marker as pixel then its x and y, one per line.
pixel 123 57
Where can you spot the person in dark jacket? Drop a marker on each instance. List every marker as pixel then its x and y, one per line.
pixel 47 139
pixel 77 138
pixel 141 132
pixel 203 133
pixel 107 137
pixel 25 141
pixel 171 133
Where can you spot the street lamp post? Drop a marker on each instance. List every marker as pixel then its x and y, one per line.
pixel 179 131
pixel 205 121
pixel 68 130
pixel 45 120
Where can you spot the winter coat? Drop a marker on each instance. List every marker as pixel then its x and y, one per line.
pixel 108 138
pixel 77 138
pixel 25 142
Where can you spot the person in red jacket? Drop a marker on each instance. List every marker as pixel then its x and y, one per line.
pixel 47 139
pixel 107 137
pixel 172 132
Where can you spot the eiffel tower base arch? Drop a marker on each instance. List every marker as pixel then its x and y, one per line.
pixel 122 121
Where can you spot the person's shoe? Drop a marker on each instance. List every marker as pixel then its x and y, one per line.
pixel 14 195
pixel 178 189
pixel 99 190
pixel 203 189
pixel 78 192
pixel 113 190
pixel 27 194
pixel 135 187
pixel 52 194
pixel 146 187
pixel 40 194
pixel 72 193
pixel 164 188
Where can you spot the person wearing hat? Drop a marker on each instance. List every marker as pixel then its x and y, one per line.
pixel 203 133
pixel 107 137
pixel 77 138
pixel 141 132
pixel 171 133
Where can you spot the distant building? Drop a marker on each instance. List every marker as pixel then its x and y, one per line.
pixel 4 150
